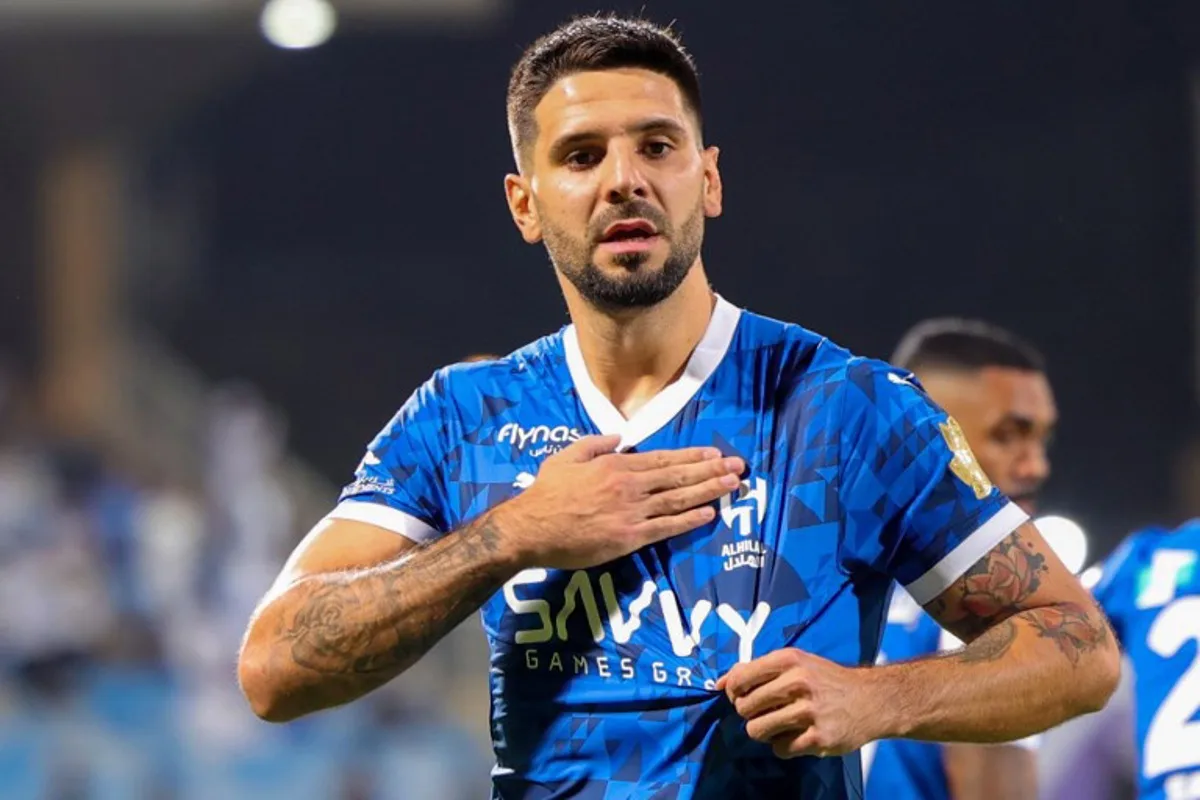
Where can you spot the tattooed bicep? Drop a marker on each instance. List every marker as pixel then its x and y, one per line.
pixel 1021 575
pixel 1002 583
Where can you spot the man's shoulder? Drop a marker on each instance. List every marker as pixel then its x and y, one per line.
pixel 819 352
pixel 800 355
pixel 538 363
pixel 1150 561
pixel 1184 537
pixel 1125 563
pixel 812 367
pixel 761 332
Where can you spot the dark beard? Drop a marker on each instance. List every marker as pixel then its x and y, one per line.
pixel 638 287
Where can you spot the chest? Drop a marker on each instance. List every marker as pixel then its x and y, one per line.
pixel 766 573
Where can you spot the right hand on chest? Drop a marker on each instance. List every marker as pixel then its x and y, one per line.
pixel 590 504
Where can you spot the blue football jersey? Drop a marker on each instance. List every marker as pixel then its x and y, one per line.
pixel 1150 589
pixel 902 769
pixel 603 680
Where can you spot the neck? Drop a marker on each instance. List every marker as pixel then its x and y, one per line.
pixel 632 355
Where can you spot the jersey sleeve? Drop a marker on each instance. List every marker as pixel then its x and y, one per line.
pixel 398 484
pixel 916 505
pixel 1113 591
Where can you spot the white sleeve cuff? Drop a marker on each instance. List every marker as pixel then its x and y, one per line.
pixel 386 517
pixel 969 550
pixel 1031 743
pixel 947 641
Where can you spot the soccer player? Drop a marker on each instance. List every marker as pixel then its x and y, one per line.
pixel 1150 588
pixel 994 384
pixel 681 519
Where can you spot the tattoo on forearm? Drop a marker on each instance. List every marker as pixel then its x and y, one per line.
pixel 370 625
pixel 1071 627
pixel 990 646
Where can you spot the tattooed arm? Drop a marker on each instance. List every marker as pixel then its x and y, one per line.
pixel 989 771
pixel 917 507
pixel 356 606
pixel 1038 652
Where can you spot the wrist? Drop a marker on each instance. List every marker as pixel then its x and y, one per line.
pixel 510 522
pixel 888 701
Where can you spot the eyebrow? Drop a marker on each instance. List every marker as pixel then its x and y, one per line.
pixel 1024 422
pixel 651 125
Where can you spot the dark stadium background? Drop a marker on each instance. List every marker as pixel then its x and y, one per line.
pixel 324 228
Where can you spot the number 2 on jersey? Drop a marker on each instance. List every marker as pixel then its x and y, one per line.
pixel 1173 741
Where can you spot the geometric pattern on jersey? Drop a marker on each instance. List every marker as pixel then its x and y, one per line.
pixel 1150 589
pixel 603 680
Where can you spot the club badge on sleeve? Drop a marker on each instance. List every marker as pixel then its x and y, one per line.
pixel 964 466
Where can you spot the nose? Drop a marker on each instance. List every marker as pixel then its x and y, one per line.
pixel 624 179
pixel 1033 468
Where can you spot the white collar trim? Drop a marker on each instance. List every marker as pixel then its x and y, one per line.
pixel 663 407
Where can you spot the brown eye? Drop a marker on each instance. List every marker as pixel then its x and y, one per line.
pixel 582 159
pixel 1004 436
pixel 657 149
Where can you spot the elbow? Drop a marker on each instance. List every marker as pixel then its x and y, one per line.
pixel 262 689
pixel 1105 673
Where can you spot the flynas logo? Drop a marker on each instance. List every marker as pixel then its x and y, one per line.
pixel 539 440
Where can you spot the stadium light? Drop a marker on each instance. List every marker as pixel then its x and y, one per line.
pixel 1067 540
pixel 1090 576
pixel 298 24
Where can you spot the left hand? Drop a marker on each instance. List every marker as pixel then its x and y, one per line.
pixel 803 705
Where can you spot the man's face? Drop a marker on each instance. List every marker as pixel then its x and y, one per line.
pixel 617 186
pixel 1008 417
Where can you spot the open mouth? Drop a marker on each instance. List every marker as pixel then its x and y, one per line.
pixel 631 230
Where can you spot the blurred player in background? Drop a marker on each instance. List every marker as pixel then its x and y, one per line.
pixel 995 385
pixel 1092 757
pixel 1150 588
pixel 682 520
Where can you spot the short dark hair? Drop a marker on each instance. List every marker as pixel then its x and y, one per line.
pixel 592 43
pixel 964 344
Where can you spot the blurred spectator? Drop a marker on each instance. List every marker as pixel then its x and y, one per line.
pixel 122 602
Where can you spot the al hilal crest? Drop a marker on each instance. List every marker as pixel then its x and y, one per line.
pixel 964 466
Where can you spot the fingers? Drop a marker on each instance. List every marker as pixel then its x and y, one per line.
pixel 745 678
pixel 791 719
pixel 662 459
pixel 683 475
pixel 656 529
pixel 808 743
pixel 587 448
pixel 677 501
pixel 773 694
